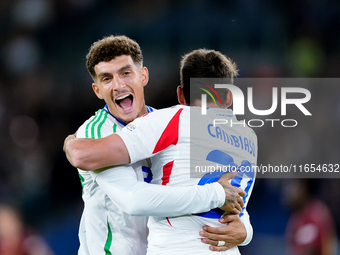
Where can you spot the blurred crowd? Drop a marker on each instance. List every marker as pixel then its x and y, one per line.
pixel 45 91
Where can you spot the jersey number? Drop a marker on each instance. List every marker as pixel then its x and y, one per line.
pixel 244 178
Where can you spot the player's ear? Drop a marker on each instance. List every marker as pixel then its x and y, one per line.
pixel 180 96
pixel 229 99
pixel 97 91
pixel 145 76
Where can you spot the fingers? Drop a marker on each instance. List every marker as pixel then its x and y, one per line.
pixel 241 192
pixel 240 202
pixel 233 208
pixel 225 183
pixel 214 245
pixel 232 234
pixel 233 202
pixel 229 175
pixel 68 138
pixel 226 218
pixel 220 248
pixel 209 238
pixel 233 205
pixel 209 241
pixel 238 208
pixel 65 148
pixel 214 232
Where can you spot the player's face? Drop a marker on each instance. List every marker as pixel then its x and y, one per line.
pixel 120 82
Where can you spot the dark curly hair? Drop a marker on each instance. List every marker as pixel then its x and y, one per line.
pixel 110 47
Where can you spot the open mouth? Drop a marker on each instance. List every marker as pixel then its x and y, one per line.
pixel 124 102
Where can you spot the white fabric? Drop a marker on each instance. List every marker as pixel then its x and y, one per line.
pixel 111 197
pixel 249 228
pixel 143 199
pixel 156 131
pixel 104 227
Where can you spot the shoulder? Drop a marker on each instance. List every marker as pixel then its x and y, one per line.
pixel 161 115
pixel 98 125
pixel 154 123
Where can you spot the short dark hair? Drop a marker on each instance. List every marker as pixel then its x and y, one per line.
pixel 110 47
pixel 204 63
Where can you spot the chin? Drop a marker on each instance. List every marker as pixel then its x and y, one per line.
pixel 130 118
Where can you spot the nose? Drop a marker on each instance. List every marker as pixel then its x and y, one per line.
pixel 118 83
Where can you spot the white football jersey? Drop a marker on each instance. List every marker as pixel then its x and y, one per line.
pixel 183 150
pixel 104 227
pixel 112 196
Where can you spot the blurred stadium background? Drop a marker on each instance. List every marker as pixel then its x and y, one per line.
pixel 45 92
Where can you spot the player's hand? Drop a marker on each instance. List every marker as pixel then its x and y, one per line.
pixel 66 149
pixel 229 236
pixel 233 201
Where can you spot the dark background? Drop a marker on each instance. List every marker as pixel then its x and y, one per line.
pixel 45 92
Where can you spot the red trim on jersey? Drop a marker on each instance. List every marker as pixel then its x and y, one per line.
pixel 170 134
pixel 167 169
pixel 168 221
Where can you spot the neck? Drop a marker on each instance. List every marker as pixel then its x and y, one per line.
pixel 143 111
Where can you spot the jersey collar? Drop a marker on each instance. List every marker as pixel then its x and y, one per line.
pixel 106 108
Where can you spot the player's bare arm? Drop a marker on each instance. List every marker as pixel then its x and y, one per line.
pixel 90 154
pixel 232 234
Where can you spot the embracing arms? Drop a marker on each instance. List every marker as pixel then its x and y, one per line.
pixel 89 154
pixel 140 198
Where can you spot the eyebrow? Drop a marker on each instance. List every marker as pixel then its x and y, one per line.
pixel 109 74
pixel 104 74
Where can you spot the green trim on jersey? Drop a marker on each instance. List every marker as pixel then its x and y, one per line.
pixel 82 183
pixel 108 240
pixel 101 124
pixel 100 118
pixel 90 123
pixel 93 130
